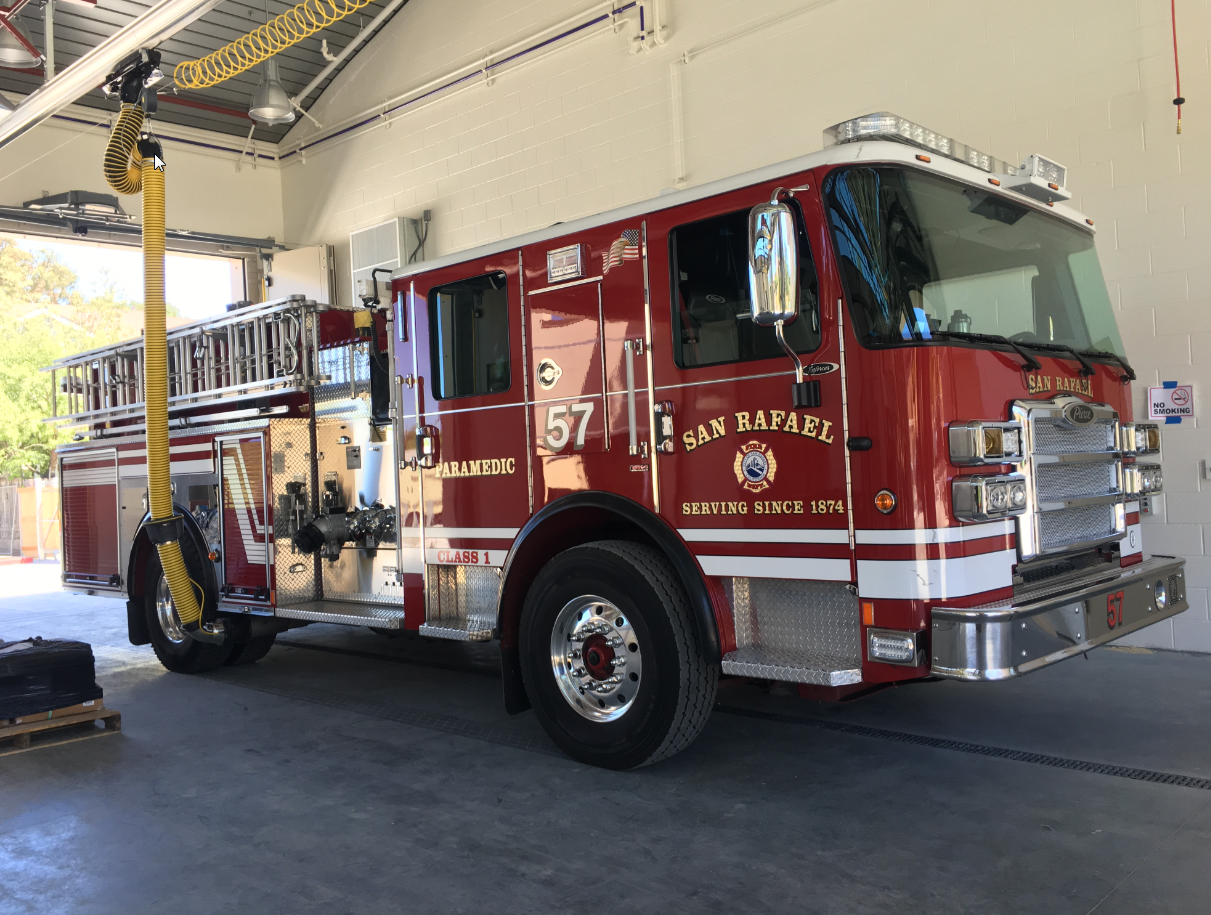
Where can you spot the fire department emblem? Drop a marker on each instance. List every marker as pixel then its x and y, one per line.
pixel 755 466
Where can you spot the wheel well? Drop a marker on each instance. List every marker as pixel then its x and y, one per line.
pixel 585 517
pixel 141 549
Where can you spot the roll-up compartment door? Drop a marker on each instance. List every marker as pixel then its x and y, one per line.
pixel 89 485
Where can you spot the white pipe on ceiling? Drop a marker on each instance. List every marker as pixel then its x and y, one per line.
pixel 335 62
pixel 160 22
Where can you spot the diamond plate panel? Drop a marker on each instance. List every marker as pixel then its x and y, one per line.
pixel 290 462
pixel 347 370
pixel 801 631
pixel 331 611
pixel 461 602
pixel 1057 438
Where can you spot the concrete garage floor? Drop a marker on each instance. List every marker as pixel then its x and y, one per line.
pixel 352 773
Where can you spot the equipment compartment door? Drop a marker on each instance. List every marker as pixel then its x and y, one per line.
pixel 246 524
pixel 89 484
pixel 565 351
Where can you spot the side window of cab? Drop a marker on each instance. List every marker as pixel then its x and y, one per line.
pixel 709 269
pixel 469 337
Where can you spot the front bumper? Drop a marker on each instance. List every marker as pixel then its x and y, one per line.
pixel 1005 640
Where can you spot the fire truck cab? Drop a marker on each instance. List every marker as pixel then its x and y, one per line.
pixel 855 419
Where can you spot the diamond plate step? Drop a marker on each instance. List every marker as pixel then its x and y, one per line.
pixel 345 614
pixel 451 629
pixel 816 668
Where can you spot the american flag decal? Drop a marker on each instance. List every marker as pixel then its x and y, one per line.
pixel 623 248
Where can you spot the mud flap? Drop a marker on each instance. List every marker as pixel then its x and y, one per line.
pixel 136 623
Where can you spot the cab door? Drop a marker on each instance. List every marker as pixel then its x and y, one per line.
pixel 755 485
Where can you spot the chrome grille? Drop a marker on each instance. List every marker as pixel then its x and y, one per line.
pixel 1076 525
pixel 1057 482
pixel 1056 438
pixel 1068 463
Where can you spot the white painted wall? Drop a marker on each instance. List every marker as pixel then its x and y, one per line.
pixel 204 192
pixel 589 126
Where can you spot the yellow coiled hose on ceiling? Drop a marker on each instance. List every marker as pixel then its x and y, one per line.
pixel 259 45
pixel 128 176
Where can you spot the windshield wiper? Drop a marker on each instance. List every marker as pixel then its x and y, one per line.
pixel 1128 371
pixel 1031 364
pixel 1086 366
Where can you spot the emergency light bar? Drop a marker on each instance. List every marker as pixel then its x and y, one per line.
pixel 1038 177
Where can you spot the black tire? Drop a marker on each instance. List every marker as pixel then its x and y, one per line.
pixel 187 655
pixel 675 691
pixel 251 650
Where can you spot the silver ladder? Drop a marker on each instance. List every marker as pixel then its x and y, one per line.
pixel 270 347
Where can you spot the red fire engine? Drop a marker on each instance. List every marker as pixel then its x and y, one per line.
pixel 850 420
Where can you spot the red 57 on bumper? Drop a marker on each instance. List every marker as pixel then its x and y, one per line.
pixel 1047 625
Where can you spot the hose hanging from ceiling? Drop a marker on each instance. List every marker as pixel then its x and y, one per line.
pixel 291 27
pixel 132 165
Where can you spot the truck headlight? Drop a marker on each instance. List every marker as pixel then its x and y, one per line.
pixel 1143 479
pixel 985 498
pixel 1140 438
pixel 980 442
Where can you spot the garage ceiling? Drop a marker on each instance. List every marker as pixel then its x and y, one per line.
pixel 224 107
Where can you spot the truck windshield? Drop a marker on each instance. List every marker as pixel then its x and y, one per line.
pixel 924 257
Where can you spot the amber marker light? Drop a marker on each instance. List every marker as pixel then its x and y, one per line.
pixel 868 613
pixel 213 556
pixel 924 159
pixel 885 501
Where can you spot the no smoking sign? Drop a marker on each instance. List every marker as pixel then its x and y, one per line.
pixel 1171 402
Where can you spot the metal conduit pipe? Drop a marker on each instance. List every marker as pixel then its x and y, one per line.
pixel 160 22
pixel 352 46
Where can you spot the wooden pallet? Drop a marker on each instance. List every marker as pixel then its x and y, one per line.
pixel 55 731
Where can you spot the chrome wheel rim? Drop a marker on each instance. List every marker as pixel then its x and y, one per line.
pixel 596 658
pixel 166 613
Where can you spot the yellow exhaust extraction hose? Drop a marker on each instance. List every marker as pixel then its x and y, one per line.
pixel 127 178
pixel 122 174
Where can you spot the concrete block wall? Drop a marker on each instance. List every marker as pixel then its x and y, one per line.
pixel 204 191
pixel 590 126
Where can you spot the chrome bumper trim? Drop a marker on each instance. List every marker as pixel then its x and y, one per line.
pixel 1007 640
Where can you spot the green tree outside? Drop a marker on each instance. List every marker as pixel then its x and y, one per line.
pixel 43 317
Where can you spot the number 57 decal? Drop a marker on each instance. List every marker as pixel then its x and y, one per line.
pixel 559 430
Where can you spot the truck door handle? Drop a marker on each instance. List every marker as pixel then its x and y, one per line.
pixel 629 347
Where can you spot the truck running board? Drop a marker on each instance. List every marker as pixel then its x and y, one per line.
pixel 457 630
pixel 345 613
pixel 794 667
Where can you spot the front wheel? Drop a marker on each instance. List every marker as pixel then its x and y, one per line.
pixel 609 657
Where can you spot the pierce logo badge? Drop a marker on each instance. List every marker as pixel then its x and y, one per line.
pixel 755 466
pixel 1078 414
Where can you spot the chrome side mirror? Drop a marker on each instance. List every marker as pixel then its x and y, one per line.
pixel 773 264
pixel 773 282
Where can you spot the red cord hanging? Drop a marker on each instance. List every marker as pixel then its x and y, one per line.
pixel 1177 72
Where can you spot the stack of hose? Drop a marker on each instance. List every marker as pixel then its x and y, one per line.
pixel 130 168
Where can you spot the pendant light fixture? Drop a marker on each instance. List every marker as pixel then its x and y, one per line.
pixel 270 103
pixel 12 52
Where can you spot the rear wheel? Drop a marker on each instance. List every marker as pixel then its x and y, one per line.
pixel 609 657
pixel 251 650
pixel 171 643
